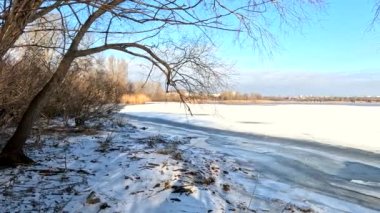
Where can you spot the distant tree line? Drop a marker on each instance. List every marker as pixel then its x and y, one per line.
pixel 316 99
pixel 154 91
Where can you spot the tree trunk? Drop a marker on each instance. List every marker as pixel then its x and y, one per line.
pixel 13 154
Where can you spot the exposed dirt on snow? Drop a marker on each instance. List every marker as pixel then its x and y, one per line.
pixel 117 167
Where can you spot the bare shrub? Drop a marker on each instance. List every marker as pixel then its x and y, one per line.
pixel 20 80
pixel 89 90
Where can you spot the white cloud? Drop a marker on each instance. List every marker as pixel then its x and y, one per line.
pixel 310 83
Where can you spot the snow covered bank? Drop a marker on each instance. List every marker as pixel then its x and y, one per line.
pixel 152 167
pixel 117 167
pixel 340 125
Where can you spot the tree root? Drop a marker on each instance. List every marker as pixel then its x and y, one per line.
pixel 14 159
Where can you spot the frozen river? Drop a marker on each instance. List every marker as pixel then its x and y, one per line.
pixel 355 126
pixel 335 174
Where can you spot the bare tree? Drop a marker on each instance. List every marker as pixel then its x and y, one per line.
pixel 150 30
pixel 16 15
pixel 376 16
pixel 118 75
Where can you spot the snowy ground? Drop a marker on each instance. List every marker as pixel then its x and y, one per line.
pixel 118 167
pixel 167 162
pixel 340 125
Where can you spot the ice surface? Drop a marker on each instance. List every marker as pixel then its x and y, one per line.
pixel 339 125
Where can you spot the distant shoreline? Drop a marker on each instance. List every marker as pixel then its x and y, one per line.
pixel 296 102
pixel 273 102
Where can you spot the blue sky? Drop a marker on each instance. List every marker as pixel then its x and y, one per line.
pixel 336 52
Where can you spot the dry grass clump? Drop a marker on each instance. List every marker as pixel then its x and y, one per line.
pixel 134 99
